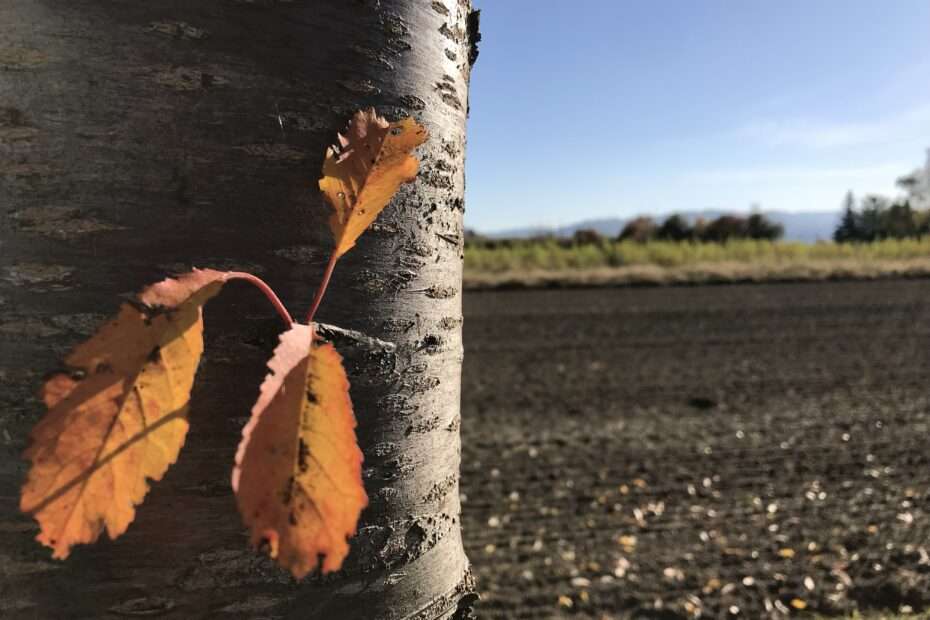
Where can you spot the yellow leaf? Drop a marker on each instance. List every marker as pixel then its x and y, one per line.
pixel 363 173
pixel 798 603
pixel 117 416
pixel 298 476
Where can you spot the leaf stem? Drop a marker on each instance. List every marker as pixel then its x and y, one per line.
pixel 322 290
pixel 267 290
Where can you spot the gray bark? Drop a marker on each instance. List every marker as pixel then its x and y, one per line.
pixel 143 138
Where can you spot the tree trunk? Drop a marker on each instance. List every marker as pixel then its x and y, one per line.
pixel 139 138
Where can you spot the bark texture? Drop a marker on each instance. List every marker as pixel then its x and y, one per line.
pixel 139 138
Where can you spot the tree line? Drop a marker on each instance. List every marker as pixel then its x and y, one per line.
pixel 878 217
pixel 718 230
pixel 643 229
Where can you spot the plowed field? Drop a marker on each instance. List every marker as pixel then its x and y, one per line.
pixel 729 451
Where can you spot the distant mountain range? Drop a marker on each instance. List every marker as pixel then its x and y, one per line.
pixel 807 226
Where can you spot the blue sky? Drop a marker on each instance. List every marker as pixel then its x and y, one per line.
pixel 602 108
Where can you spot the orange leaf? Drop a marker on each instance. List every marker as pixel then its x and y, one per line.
pixel 298 470
pixel 363 173
pixel 118 416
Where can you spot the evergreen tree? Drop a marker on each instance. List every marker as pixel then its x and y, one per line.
pixel 849 228
pixel 873 218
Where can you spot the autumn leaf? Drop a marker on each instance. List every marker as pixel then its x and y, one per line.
pixel 118 415
pixel 298 468
pixel 362 173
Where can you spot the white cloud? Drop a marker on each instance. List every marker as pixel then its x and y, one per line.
pixel 881 174
pixel 819 134
pixel 789 188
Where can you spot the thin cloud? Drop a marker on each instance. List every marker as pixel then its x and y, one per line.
pixel 885 172
pixel 825 135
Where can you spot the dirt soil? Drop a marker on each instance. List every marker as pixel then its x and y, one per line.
pixel 711 451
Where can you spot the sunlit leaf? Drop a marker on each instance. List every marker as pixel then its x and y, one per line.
pixel 298 469
pixel 117 414
pixel 362 173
